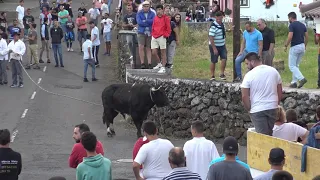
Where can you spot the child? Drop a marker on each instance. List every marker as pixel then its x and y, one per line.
pixel 69 36
pixel 106 23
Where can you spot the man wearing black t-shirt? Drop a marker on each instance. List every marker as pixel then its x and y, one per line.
pixel 130 22
pixel 10 161
pixel 83 9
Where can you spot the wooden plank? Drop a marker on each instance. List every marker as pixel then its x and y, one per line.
pixel 259 146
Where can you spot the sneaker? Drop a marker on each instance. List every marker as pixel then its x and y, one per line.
pixel 62 66
pixel 56 65
pixel 238 79
pixel 97 65
pixel 150 66
pixel 41 61
pixel 85 80
pixel 131 57
pixel 71 49
pixel 94 79
pixel 143 66
pixel 223 77
pixel 162 70
pixel 159 65
pixel 293 85
pixel 21 85
pixel 13 86
pixel 302 82
pixel 212 78
pixel 5 82
pixel 48 61
pixel 68 49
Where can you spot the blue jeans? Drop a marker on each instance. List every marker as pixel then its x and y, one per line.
pixel 56 48
pixel 64 28
pixel 239 60
pixel 92 64
pixel 295 56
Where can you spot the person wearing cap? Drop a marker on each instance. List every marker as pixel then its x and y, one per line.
pixel 81 22
pixel 144 20
pixel 95 42
pixel 17 48
pixel 276 160
pixel 199 151
pixel 229 169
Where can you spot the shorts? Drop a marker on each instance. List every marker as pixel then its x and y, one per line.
pixel 222 52
pixel 20 25
pixel 82 35
pixel 159 42
pixel 107 36
pixel 144 40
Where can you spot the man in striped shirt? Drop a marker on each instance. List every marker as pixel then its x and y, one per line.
pixel 177 162
pixel 217 46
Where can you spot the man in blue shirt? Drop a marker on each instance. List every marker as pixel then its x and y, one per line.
pixel 252 42
pixel 298 36
pixel 223 157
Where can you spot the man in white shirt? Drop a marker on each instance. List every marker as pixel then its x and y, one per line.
pixel 88 58
pixel 95 42
pixel 107 23
pixel 17 48
pixel 3 61
pixel 104 7
pixel 153 155
pixel 94 14
pixel 199 151
pixel 20 15
pixel 261 93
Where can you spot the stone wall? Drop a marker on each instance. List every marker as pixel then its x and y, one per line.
pixel 217 104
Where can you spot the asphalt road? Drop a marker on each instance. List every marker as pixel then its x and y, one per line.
pixel 42 123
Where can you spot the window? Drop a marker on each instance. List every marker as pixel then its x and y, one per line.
pixel 244 3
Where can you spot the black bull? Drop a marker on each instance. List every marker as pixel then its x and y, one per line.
pixel 134 100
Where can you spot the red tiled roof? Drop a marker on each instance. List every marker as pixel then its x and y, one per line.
pixel 311 9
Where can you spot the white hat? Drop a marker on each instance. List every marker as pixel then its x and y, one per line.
pixel 145 3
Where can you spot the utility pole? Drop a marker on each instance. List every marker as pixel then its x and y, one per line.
pixel 236 34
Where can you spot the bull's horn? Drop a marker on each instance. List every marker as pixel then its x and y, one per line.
pixel 154 89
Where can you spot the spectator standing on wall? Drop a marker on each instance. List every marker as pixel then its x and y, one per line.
pixel 200 12
pixel 44 40
pixel 261 93
pixel 268 42
pixel 161 30
pixel 177 162
pixel 229 169
pixel 129 23
pixel 145 21
pixel 276 160
pixel 252 42
pixel 199 151
pixel 153 155
pixel 298 37
pixel 217 46
pixel 11 163
pixel 173 40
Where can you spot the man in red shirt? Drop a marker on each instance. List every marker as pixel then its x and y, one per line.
pixel 78 151
pixel 161 30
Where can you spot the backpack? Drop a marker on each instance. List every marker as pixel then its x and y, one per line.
pixel 219 27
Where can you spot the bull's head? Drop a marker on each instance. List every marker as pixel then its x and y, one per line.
pixel 159 97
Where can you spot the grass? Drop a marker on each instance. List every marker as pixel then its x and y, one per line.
pixel 192 57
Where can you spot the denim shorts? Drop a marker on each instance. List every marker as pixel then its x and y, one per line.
pixel 222 52
pixel 107 36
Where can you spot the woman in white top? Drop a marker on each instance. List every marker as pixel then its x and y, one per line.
pixel 288 131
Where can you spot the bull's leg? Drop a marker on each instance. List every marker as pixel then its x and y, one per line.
pixel 109 115
pixel 138 120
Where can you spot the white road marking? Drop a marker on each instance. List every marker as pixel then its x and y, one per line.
pixel 14 134
pixel 124 160
pixel 33 95
pixel 39 80
pixel 44 69
pixel 24 113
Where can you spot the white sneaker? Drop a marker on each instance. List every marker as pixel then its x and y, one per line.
pixel 68 50
pixel 159 65
pixel 71 49
pixel 162 70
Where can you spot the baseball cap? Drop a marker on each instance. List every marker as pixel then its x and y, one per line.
pixel 145 3
pixel 276 155
pixel 230 145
